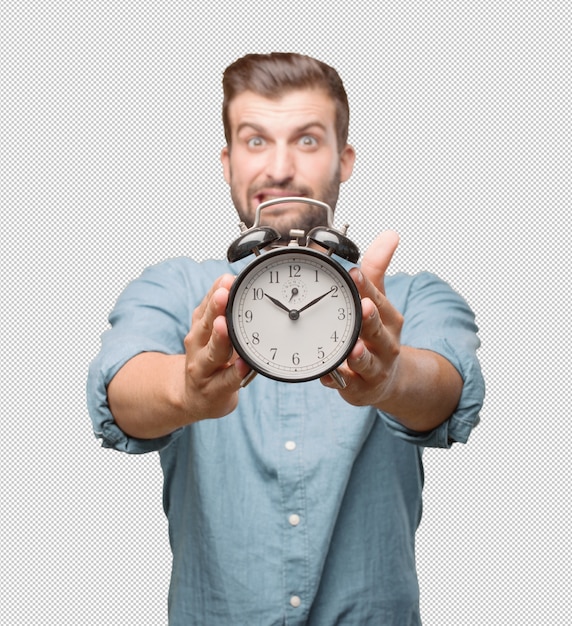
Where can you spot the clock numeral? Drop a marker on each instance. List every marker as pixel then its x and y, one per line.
pixel 317 275
pixel 258 294
pixel 248 316
pixel 274 351
pixel 321 353
pixel 334 290
pixel 334 337
pixel 274 277
pixel 255 339
pixel 294 271
pixel 296 358
pixel 341 314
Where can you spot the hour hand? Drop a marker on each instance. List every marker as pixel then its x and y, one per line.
pixel 278 303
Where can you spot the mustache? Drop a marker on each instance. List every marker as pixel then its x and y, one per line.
pixel 283 185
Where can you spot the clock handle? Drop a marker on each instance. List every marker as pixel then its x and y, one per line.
pixel 336 242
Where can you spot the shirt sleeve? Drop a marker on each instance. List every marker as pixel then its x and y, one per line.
pixel 152 315
pixel 437 318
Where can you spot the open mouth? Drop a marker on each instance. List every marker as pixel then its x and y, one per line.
pixel 265 197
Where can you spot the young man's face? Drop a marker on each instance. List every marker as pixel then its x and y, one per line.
pixel 285 147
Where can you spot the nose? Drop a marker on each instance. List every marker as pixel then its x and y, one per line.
pixel 281 165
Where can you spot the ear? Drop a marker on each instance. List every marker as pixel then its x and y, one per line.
pixel 225 160
pixel 347 160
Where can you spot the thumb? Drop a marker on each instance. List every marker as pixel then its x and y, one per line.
pixel 378 256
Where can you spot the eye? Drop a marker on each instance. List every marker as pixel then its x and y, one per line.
pixel 308 141
pixel 255 142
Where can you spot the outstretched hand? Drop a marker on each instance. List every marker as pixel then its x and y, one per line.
pixel 371 367
pixel 213 371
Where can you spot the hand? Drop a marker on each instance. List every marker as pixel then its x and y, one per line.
pixel 278 303
pixel 295 313
pixel 420 388
pixel 213 371
pixel 307 306
pixel 371 367
pixel 154 394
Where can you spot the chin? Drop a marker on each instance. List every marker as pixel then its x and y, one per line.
pixel 285 217
pixel 305 223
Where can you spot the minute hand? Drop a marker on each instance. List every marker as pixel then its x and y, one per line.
pixel 312 302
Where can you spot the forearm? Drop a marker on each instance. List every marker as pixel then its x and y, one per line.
pixel 424 391
pixel 145 395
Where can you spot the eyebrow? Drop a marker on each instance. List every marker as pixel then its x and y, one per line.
pixel 301 129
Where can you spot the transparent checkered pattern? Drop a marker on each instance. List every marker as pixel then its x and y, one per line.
pixel 110 136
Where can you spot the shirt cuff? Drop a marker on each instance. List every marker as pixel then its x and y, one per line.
pixel 101 371
pixel 459 426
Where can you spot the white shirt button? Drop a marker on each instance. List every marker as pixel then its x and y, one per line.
pixel 290 445
pixel 295 601
pixel 294 519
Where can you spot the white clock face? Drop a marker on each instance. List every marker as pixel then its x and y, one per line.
pixel 294 315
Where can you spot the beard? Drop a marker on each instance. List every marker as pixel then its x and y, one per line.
pixel 305 218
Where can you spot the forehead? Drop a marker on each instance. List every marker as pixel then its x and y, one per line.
pixel 293 109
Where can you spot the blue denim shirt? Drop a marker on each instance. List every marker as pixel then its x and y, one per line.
pixel 296 508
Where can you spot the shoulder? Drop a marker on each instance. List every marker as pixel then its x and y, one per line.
pixel 421 280
pixel 403 289
pixel 187 267
pixel 174 284
pixel 185 273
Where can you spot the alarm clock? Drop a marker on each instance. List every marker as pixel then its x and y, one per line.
pixel 294 312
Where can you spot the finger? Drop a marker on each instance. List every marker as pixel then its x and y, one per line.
pixel 213 305
pixel 225 281
pixel 373 297
pixel 217 355
pixel 231 378
pixel 378 256
pixel 221 357
pixel 377 344
pixel 202 327
pixel 219 348
pixel 362 363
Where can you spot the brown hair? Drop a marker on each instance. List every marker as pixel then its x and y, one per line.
pixel 270 75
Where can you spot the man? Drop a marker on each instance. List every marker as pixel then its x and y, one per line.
pixel 288 504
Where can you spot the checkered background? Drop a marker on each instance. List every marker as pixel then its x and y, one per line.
pixel 110 136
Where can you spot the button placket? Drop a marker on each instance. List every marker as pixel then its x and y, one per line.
pixel 292 480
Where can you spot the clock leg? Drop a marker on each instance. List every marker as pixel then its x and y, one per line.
pixel 248 378
pixel 338 378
